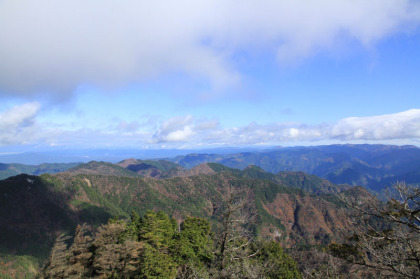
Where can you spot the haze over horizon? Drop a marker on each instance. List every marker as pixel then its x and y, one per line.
pixel 204 74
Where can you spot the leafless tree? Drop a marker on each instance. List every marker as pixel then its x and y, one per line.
pixel 386 235
pixel 234 239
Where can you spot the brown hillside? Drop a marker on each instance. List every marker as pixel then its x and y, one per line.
pixel 307 218
pixel 200 169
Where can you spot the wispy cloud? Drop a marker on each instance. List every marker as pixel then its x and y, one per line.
pixel 184 129
pixel 53 46
pixel 17 124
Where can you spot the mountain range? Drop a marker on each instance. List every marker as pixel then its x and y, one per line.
pixel 34 210
pixel 375 167
pixel 289 202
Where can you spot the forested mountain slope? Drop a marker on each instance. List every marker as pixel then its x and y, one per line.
pixel 34 210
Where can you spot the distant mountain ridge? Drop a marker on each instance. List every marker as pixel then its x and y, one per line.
pixel 372 166
pixel 7 170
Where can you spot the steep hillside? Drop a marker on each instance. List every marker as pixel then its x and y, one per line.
pixel 199 195
pixel 32 213
pixel 34 210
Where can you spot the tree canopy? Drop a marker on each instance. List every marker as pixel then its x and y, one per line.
pixel 155 246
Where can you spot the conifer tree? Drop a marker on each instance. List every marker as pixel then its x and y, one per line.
pixel 275 263
pixel 57 263
pixel 107 249
pixel 193 242
pixel 157 230
pixel 80 257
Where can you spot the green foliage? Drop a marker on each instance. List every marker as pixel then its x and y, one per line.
pixel 268 191
pixel 257 173
pixel 277 264
pixel 162 165
pixel 151 247
pixel 104 168
pixel 155 264
pixel 57 262
pixel 156 229
pixel 103 202
pixel 11 267
pixel 220 168
pixel 193 244
pixel 133 227
pixel 8 170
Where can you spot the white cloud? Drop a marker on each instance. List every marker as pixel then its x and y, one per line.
pixel 401 125
pixel 184 129
pixel 53 46
pixel 17 124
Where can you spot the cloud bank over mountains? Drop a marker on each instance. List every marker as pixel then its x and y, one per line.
pixel 164 60
pixel 19 125
pixel 51 47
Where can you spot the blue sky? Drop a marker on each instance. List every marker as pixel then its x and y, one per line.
pixel 198 74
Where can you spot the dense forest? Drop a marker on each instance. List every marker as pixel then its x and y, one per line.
pixel 156 246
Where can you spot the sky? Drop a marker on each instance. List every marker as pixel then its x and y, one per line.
pixel 213 73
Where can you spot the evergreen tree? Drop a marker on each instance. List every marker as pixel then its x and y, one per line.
pixel 193 243
pixel 133 227
pixel 151 248
pixel 156 265
pixel 80 256
pixel 157 230
pixel 275 262
pixel 57 263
